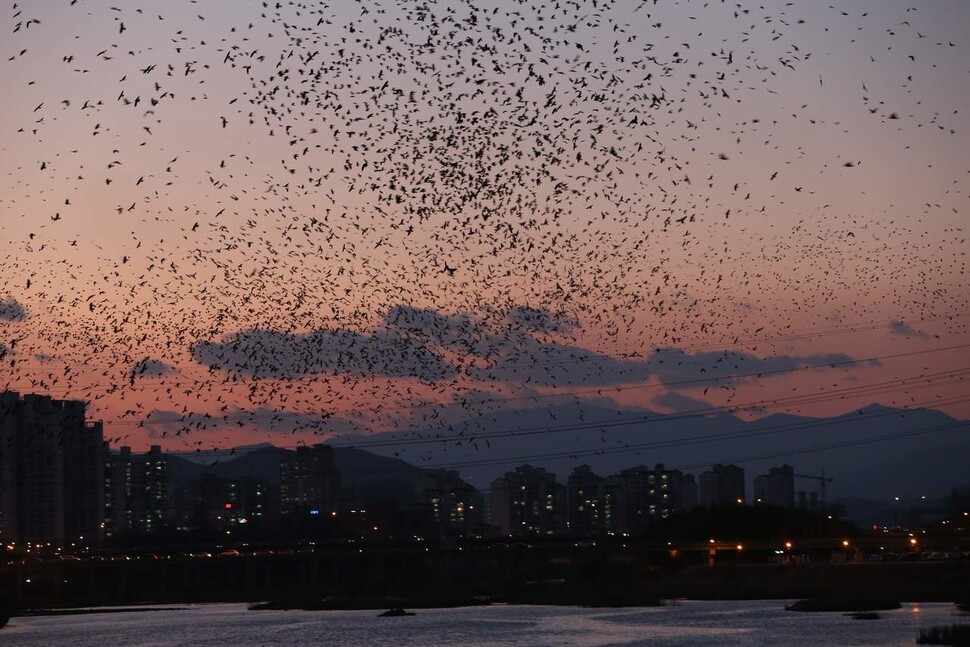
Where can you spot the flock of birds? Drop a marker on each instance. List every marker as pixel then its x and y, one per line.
pixel 400 211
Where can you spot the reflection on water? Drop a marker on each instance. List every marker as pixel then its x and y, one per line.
pixel 689 623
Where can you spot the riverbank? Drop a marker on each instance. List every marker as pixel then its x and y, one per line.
pixel 84 612
pixel 577 579
pixel 901 582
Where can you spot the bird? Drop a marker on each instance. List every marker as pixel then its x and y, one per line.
pixel 554 153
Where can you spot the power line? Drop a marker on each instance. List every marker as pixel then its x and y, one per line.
pixel 672 443
pixel 661 418
pixel 677 442
pixel 598 391
pixel 747 459
pixel 840 445
pixel 696 413
pixel 828 333
pixel 620 389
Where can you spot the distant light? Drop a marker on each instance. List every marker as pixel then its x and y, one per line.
pixel 845 543
pixel 739 547
pixel 314 512
pixel 912 541
pixel 788 545
pixel 228 506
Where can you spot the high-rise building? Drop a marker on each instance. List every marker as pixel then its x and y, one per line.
pixel 776 488
pixel 309 480
pixel 528 501
pixel 590 503
pixel 722 485
pixel 51 472
pixel 645 494
pixel 214 503
pixel 455 507
pixel 136 492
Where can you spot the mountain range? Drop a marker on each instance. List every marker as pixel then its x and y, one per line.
pixel 876 452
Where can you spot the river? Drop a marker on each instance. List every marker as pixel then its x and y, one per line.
pixel 685 623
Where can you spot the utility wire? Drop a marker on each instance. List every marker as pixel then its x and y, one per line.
pixel 215 418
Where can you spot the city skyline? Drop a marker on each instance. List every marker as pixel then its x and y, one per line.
pixel 64 487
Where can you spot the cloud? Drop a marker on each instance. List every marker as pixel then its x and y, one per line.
pixel 521 358
pixel 441 329
pixel 902 328
pixel 553 364
pixel 672 365
pixel 432 346
pixel 11 310
pixel 536 320
pixel 150 368
pixel 678 402
pixel 286 356
pixel 263 418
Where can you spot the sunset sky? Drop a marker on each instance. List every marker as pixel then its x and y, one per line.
pixel 229 222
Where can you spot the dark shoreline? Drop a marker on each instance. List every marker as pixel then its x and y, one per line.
pixel 85 612
pixel 375 584
pixel 6 616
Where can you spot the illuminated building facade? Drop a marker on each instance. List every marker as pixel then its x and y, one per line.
pixel 455 507
pixel 136 492
pixel 309 480
pixel 590 503
pixel 528 501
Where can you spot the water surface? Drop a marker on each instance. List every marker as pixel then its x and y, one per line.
pixel 688 623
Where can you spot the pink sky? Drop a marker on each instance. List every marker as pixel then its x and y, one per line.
pixel 819 198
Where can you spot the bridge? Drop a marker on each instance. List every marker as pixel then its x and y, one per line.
pixel 776 568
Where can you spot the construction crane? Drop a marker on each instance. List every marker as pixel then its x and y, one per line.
pixel 822 480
